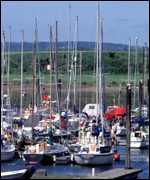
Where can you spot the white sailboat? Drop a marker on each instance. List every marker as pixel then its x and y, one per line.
pixel 7 148
pixel 96 153
pixel 33 152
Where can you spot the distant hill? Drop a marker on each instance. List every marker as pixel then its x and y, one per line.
pixel 82 45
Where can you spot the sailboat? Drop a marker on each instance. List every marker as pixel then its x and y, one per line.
pixel 139 138
pixel 96 153
pixel 7 145
pixel 34 152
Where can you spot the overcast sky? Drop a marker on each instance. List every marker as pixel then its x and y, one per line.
pixel 121 19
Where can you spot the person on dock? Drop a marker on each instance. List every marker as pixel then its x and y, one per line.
pixel 113 134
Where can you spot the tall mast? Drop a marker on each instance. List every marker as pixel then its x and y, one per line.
pixel 69 86
pixel 97 62
pixel 8 67
pixel 100 77
pixel 56 67
pixel 69 38
pixel 119 95
pixel 34 80
pixel 50 70
pixel 129 61
pixel 80 82
pixel 38 59
pixel 135 73
pixel 8 78
pixel 75 61
pixel 144 74
pixel 2 74
pixel 21 88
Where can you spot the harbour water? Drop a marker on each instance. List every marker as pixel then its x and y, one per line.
pixel 139 159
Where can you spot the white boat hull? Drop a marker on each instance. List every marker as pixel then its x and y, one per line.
pixel 138 144
pixel 13 174
pixel 62 160
pixel 93 159
pixel 139 140
pixel 7 154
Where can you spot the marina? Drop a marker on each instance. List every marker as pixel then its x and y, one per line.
pixel 61 117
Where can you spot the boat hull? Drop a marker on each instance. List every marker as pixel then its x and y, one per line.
pixel 138 144
pixel 33 158
pixel 7 155
pixel 94 159
pixel 13 174
pixel 62 160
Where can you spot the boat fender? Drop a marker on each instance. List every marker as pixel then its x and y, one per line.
pixel 116 156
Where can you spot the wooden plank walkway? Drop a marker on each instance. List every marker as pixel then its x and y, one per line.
pixel 118 173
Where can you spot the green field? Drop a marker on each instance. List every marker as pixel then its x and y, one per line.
pixel 115 67
pixel 87 79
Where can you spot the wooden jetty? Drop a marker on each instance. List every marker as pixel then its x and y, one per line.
pixel 118 173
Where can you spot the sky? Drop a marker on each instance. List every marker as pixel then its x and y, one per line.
pixel 121 20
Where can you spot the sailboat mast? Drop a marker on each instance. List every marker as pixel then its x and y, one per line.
pixel 135 73
pixel 21 88
pixel 75 61
pixel 2 76
pixel 80 82
pixel 144 73
pixel 34 81
pixel 38 59
pixel 8 68
pixel 100 78
pixel 50 70
pixel 69 38
pixel 119 95
pixel 129 61
pixel 97 64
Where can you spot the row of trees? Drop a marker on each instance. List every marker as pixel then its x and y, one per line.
pixel 114 62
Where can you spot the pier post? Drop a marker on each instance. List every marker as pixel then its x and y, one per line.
pixel 128 127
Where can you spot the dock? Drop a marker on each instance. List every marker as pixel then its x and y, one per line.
pixel 117 173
